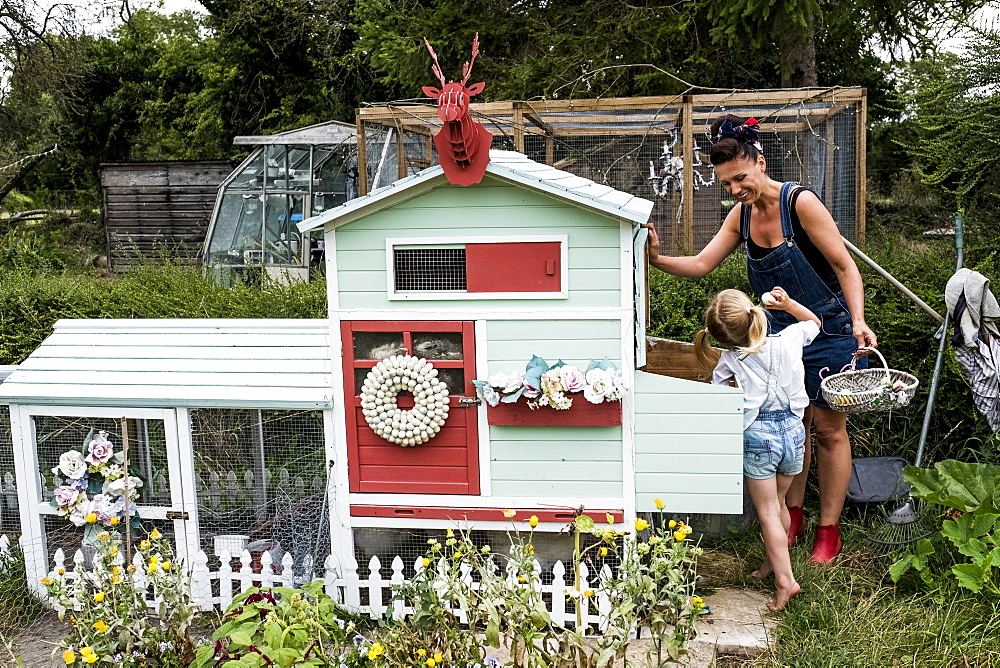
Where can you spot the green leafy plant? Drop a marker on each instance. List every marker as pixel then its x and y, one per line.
pixel 285 627
pixel 107 607
pixel 968 542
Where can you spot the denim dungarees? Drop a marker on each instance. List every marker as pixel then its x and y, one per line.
pixel 787 267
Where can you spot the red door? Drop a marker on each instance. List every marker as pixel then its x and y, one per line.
pixel 447 463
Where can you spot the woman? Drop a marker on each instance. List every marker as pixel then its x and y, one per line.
pixel 792 241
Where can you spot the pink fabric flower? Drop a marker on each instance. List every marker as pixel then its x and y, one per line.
pixel 100 451
pixel 66 496
pixel 572 378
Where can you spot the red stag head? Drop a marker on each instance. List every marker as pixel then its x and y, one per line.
pixel 453 98
pixel 463 145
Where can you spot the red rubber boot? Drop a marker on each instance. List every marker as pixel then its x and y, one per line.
pixel 797 527
pixel 827 545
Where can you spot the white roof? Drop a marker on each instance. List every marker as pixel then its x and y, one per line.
pixel 506 165
pixel 331 132
pixel 168 363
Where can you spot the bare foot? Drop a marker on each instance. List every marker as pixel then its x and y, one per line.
pixel 784 595
pixel 764 570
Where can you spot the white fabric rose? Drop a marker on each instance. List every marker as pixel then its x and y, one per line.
pixel 117 487
pixel 78 515
pixel 514 383
pixel 71 464
pixel 599 385
pixel 498 379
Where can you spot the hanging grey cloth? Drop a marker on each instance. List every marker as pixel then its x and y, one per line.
pixel 982 310
pixel 975 314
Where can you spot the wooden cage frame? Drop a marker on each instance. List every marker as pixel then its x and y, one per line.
pixel 681 111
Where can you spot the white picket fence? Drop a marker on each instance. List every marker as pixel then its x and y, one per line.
pixel 215 589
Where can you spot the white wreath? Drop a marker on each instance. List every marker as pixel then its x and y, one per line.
pixel 378 400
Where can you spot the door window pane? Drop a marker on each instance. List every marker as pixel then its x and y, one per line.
pixel 438 345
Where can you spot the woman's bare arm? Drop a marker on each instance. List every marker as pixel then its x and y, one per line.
pixel 725 241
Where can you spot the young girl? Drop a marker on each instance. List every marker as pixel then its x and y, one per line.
pixel 770 371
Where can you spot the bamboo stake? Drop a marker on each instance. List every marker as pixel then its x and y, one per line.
pixel 128 519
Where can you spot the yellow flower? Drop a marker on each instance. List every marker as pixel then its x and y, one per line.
pixel 165 565
pixel 533 521
pixel 86 651
pixel 151 568
pixel 659 504
pixel 114 551
pixel 686 530
pixel 508 513
pixel 144 544
pixel 104 535
pixel 697 602
pixel 99 596
pixel 61 571
pixel 431 662
pixel 450 533
pixel 438 657
pixel 115 570
pixel 588 592
pixel 91 518
pixel 116 580
pixel 421 652
pixel 376 651
pixel 154 559
pixel 641 524
pixel 672 523
pixel 155 535
pixel 457 555
pixel 679 535
pixel 604 551
pixel 91 658
pixel 69 656
pixel 100 626
pixel 131 568
pixel 520 578
pixel 114 521
pixel 529 549
pixel 46 581
pixel 427 562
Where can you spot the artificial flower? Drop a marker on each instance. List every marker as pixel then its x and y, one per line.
pixel 572 378
pixel 91 518
pixel 116 487
pixel 598 386
pixel 490 395
pixel 71 464
pixel 99 450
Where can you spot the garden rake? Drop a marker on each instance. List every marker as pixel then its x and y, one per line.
pixel 907 524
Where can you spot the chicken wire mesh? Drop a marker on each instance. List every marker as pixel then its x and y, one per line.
pixel 657 148
pixel 10 521
pixel 262 486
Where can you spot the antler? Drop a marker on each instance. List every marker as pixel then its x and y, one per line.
pixel 436 67
pixel 467 67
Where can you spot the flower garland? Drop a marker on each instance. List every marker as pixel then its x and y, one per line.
pixel 544 385
pixel 99 473
pixel 378 400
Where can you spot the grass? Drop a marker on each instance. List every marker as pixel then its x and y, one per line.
pixel 18 605
pixel 851 614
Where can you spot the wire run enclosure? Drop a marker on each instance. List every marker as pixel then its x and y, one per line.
pixel 815 137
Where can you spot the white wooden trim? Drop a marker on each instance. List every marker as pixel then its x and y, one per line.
pixel 625 263
pixel 482 368
pixel 628 415
pixel 29 495
pixel 332 279
pixel 335 423
pixel 460 501
pixel 394 242
pixel 180 463
pixel 98 412
pixel 251 325
pixel 145 512
pixel 341 536
pixel 419 523
pixel 555 312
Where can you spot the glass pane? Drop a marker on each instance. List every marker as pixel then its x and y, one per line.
pixel 277 168
pixel 282 213
pixel 236 229
pixel 81 461
pixel 438 345
pixel 454 379
pixel 299 172
pixel 377 345
pixel 331 184
pixel 252 176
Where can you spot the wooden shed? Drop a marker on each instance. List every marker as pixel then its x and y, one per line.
pixel 157 208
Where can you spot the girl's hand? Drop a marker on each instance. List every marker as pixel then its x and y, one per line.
pixel 776 299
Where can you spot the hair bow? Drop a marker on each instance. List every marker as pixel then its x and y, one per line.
pixel 744 134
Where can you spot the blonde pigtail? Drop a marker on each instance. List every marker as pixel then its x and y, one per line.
pixel 756 331
pixel 706 356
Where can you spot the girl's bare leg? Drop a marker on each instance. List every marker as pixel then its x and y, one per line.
pixel 768 498
pixel 797 492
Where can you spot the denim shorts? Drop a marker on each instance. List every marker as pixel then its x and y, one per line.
pixel 773 445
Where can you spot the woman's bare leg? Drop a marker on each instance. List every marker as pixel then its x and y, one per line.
pixel 833 451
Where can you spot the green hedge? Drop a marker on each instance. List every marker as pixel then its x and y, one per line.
pixel 31 302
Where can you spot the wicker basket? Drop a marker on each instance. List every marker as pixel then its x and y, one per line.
pixel 868 390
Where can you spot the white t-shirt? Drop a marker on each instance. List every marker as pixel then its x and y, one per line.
pixel 782 355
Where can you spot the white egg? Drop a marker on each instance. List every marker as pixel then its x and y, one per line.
pixel 768 299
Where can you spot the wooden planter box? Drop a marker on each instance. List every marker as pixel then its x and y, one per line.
pixel 581 414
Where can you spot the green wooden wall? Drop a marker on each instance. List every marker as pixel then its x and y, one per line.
pixel 554 461
pixel 688 445
pixel 492 207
